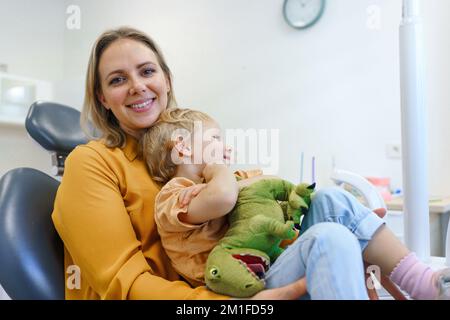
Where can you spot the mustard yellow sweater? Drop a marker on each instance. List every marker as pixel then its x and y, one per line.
pixel 104 214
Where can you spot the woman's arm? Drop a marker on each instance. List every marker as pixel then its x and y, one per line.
pixel 216 199
pixel 91 219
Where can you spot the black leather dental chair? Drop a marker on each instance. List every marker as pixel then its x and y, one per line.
pixel 31 252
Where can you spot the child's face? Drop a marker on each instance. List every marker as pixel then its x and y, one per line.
pixel 204 146
pixel 207 145
pixel 214 149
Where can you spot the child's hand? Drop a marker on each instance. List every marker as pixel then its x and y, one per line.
pixel 187 194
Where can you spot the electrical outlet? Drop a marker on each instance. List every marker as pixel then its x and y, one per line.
pixel 394 151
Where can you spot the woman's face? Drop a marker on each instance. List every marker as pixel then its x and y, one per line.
pixel 133 85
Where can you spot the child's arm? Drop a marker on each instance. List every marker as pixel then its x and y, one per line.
pixel 216 199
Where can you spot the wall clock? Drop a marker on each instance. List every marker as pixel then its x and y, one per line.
pixel 302 14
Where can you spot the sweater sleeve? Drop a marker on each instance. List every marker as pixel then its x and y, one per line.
pixel 91 219
pixel 246 174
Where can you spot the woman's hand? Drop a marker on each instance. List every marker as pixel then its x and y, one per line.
pixel 291 291
pixel 189 193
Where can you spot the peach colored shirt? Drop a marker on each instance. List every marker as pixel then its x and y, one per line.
pixel 187 245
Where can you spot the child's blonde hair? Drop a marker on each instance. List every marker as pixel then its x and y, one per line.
pixel 157 144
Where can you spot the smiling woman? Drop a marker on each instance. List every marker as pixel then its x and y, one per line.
pixel 135 92
pixel 128 85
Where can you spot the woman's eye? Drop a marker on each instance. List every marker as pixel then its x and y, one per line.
pixel 216 137
pixel 148 72
pixel 117 80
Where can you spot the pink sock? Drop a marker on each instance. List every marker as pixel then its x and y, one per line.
pixel 415 277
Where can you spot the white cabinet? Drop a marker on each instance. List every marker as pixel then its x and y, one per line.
pixel 17 94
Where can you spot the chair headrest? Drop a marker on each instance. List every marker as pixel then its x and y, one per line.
pixel 54 126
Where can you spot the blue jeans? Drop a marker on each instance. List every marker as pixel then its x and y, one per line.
pixel 334 232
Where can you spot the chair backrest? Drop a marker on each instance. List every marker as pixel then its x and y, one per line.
pixel 31 252
pixel 56 128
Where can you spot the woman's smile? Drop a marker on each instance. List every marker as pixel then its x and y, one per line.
pixel 143 105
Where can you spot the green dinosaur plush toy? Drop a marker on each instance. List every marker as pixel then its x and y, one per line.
pixel 237 264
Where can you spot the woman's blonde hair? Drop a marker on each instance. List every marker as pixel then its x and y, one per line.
pixel 157 143
pixel 93 110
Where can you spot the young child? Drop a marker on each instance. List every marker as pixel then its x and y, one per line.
pixel 189 232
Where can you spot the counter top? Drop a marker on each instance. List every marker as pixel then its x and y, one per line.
pixel 437 205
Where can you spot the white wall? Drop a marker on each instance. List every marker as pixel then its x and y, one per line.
pixel 31 36
pixel 437 27
pixel 333 90
pixel 31 44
